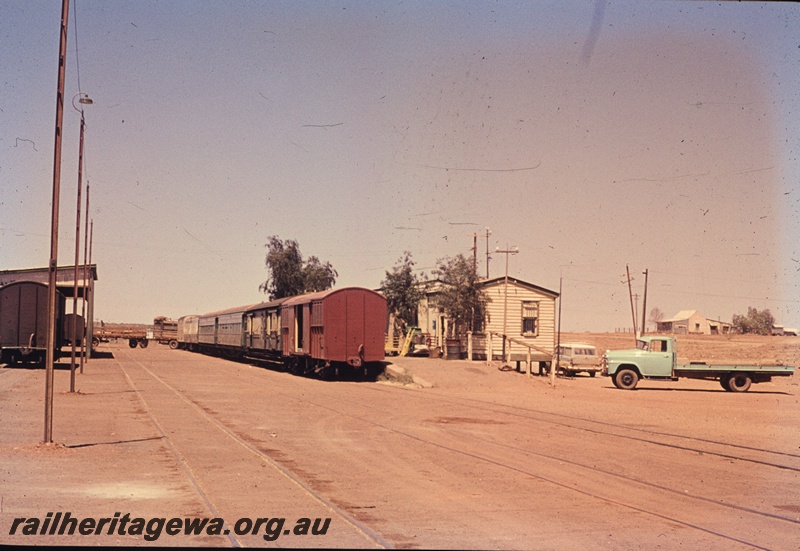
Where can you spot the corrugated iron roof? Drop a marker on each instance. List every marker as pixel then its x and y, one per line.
pixel 680 316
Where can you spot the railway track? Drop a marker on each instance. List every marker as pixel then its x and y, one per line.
pixel 756 516
pixel 632 433
pixel 237 444
pixel 723 518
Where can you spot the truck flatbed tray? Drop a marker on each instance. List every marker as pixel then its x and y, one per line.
pixel 698 367
pixel 728 361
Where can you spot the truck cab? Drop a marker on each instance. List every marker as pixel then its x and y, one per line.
pixel 653 358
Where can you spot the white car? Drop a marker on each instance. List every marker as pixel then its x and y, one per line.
pixel 578 357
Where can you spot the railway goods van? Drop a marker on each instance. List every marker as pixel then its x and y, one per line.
pixel 343 326
pixel 23 322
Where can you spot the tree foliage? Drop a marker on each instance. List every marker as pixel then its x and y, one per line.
pixel 288 275
pixel 656 315
pixel 402 291
pixel 462 299
pixel 759 322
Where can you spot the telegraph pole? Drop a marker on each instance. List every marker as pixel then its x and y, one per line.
pixel 53 265
pixel 507 251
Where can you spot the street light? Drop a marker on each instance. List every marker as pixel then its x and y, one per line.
pixel 83 100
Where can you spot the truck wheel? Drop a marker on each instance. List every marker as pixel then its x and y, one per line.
pixel 143 343
pixel 132 343
pixel 592 373
pixel 95 342
pixel 725 381
pixel 173 344
pixel 626 379
pixel 740 382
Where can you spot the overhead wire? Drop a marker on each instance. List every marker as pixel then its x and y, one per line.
pixel 77 61
pixel 80 93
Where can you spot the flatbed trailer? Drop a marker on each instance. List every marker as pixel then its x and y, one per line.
pixel 136 335
pixel 655 358
pixel 163 331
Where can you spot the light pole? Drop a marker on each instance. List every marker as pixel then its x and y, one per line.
pixel 53 265
pixel 84 100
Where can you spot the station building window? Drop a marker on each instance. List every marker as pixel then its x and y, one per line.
pixel 530 319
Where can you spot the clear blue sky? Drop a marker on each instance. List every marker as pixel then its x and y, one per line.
pixel 591 135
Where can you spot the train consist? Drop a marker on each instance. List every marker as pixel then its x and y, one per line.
pixel 316 333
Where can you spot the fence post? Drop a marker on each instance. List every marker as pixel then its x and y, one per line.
pixel 489 348
pixel 529 361
pixel 469 346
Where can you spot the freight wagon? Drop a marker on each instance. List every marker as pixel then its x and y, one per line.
pixel 23 322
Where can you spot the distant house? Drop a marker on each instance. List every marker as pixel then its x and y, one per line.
pixel 781 331
pixel 693 322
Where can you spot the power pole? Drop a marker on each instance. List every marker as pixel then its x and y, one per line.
pixel 630 293
pixel 644 304
pixel 474 250
pixel 554 363
pixel 488 233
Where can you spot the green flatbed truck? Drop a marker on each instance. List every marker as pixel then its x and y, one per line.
pixel 656 358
